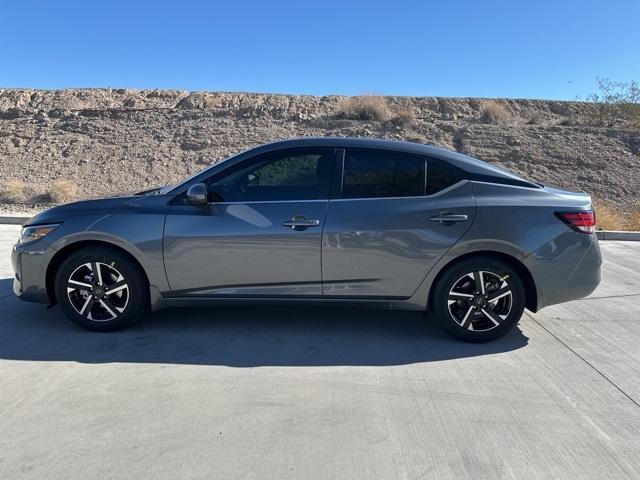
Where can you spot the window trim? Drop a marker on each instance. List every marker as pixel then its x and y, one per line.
pixel 253 202
pixel 338 174
pixel 462 181
pixel 460 178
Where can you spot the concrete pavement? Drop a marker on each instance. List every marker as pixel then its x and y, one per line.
pixel 271 392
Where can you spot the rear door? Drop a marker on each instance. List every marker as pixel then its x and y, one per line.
pixel 393 215
pixel 259 235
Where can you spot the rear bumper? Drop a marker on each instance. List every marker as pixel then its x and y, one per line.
pixel 566 268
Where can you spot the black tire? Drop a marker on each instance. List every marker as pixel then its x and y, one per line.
pixel 483 313
pixel 128 303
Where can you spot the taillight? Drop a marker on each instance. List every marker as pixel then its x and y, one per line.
pixel 583 221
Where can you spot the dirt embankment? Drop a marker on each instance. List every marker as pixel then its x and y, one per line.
pixel 102 141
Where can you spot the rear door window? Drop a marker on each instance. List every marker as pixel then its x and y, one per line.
pixel 379 174
pixel 369 173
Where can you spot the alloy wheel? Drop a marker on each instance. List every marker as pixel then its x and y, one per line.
pixel 480 300
pixel 98 291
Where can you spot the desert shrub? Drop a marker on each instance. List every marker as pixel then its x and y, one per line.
pixel 364 107
pixel 568 122
pixel 617 103
pixel 495 113
pixel 61 191
pixel 537 120
pixel 416 139
pixel 404 118
pixel 13 191
pixel 476 104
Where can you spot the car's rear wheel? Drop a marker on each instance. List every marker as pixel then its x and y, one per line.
pixel 479 299
pixel 101 289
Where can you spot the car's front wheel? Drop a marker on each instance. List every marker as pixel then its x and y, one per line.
pixel 101 289
pixel 479 299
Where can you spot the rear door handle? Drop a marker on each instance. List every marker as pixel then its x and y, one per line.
pixel 448 218
pixel 301 223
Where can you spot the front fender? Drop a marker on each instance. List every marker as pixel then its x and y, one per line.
pixel 139 235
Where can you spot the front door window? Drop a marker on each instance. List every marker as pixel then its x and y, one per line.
pixel 283 176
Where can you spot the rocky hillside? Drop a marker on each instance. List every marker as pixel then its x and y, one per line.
pixel 96 142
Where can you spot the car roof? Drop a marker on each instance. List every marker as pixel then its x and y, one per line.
pixel 476 169
pixel 465 162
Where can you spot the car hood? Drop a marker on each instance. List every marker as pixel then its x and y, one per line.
pixel 85 207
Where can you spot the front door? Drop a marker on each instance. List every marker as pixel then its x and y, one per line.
pixel 394 216
pixel 259 235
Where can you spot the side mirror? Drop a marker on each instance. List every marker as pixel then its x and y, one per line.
pixel 197 194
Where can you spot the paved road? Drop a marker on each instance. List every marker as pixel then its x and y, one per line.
pixel 264 393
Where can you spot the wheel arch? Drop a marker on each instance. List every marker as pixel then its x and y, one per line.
pixel 67 250
pixel 531 292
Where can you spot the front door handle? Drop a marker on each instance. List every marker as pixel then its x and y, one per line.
pixel 301 223
pixel 448 218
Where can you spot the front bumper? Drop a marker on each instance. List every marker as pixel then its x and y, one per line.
pixel 29 263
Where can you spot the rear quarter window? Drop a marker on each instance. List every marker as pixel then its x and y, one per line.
pixel 440 175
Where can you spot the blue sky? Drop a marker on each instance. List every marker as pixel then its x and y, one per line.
pixel 532 49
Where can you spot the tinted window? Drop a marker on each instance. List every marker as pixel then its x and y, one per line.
pixel 375 173
pixel 290 175
pixel 440 175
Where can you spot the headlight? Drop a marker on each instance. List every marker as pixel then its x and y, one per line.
pixel 36 232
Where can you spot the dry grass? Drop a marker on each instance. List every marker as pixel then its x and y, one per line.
pixel 495 114
pixel 62 191
pixel 608 218
pixel 634 220
pixel 404 118
pixel 365 107
pixel 13 191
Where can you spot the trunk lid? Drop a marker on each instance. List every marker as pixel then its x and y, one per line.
pixel 581 200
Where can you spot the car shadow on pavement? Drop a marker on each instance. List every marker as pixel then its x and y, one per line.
pixel 240 336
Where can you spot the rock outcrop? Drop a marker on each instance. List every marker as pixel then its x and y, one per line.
pixel 107 140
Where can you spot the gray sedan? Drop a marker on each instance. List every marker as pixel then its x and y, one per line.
pixel 327 220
